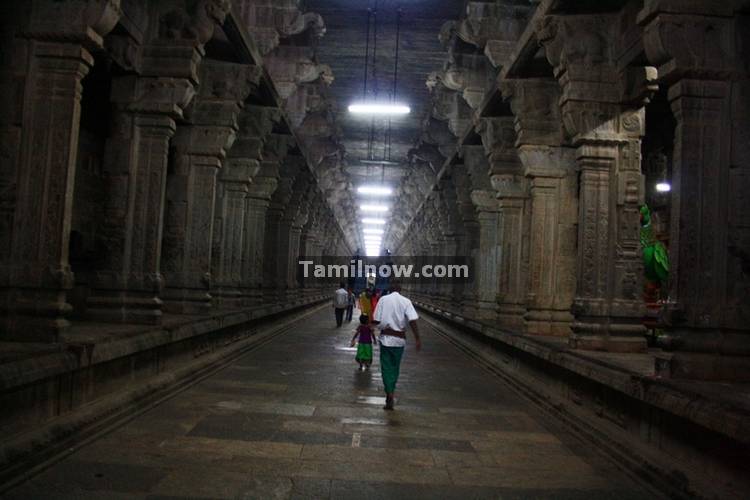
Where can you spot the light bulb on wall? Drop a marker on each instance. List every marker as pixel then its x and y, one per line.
pixel 663 187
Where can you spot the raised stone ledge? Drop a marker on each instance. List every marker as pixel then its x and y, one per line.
pixel 91 343
pixel 169 365
pixel 715 406
pixel 687 440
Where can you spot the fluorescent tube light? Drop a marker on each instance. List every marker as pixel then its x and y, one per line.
pixel 377 222
pixel 378 190
pixel 379 109
pixel 374 208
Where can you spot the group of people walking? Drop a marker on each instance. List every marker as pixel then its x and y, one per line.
pixel 391 314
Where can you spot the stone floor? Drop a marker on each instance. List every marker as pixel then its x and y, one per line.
pixel 296 419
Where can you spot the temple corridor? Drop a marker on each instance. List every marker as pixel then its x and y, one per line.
pixel 554 191
pixel 296 418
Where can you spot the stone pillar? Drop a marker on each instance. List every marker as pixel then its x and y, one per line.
pixel 128 284
pixel 199 150
pixel 605 120
pixel 549 168
pixel 229 228
pixel 35 274
pixel 257 203
pixel 278 228
pixel 709 313
pixel 498 137
pixel 231 244
pixel 487 209
pixel 470 240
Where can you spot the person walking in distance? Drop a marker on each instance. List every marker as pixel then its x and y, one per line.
pixel 392 315
pixel 340 302
pixel 350 305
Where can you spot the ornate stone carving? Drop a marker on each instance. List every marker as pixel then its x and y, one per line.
pixel 196 21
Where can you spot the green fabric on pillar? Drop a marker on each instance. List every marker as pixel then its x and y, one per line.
pixel 390 364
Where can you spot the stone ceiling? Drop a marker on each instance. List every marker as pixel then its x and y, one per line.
pixel 315 53
pixel 420 52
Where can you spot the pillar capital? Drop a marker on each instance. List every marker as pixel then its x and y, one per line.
pixel 85 22
pixel 598 94
pixel 697 40
pixel 534 103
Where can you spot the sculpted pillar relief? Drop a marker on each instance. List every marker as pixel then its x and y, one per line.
pixel 606 127
pixel 129 283
pixel 702 59
pixel 37 192
pixel 199 151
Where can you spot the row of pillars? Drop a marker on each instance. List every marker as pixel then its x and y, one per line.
pixel 546 200
pixel 206 204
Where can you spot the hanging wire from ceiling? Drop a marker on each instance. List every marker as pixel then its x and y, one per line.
pixel 394 91
pixel 371 92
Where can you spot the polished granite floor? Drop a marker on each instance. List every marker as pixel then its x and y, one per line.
pixel 296 419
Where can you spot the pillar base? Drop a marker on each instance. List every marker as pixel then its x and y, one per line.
pixel 125 307
pixel 548 322
pixel 34 315
pixel 227 298
pixel 511 317
pixel 711 354
pixel 607 343
pixel 705 367
pixel 187 301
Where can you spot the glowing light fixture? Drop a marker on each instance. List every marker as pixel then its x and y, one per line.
pixel 369 230
pixel 377 222
pixel 378 190
pixel 374 208
pixel 366 108
pixel 663 187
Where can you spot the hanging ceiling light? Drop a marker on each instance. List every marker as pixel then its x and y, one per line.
pixel 377 222
pixel 364 108
pixel 373 208
pixel 378 190
pixel 369 230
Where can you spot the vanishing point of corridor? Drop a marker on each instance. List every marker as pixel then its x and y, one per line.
pixel 295 418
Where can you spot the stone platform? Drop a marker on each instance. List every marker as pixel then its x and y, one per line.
pixel 296 419
pixel 686 436
pixel 54 396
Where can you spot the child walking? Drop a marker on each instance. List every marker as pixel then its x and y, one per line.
pixel 365 336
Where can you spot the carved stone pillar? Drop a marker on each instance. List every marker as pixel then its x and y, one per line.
pixel 506 176
pixel 35 274
pixel 276 249
pixel 701 58
pixel 128 285
pixel 605 120
pixel 257 203
pixel 485 202
pixel 470 241
pixel 199 149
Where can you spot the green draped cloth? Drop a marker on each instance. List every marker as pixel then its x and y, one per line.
pixel 390 364
pixel 364 353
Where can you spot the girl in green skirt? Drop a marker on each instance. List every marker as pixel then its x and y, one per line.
pixel 365 336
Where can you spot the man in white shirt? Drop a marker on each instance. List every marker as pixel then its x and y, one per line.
pixel 393 314
pixel 340 302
